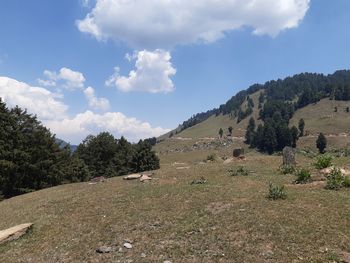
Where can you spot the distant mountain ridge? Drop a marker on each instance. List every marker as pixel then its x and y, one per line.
pixel 300 90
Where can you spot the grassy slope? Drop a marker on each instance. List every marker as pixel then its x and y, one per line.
pixel 227 220
pixel 319 118
pixel 210 127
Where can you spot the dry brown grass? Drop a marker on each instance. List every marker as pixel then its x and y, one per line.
pixel 226 220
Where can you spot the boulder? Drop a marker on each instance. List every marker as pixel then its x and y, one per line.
pixel 238 152
pixel 132 177
pixel 14 233
pixel 104 249
pixel 145 178
pixel 289 156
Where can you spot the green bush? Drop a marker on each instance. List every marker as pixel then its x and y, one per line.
pixel 323 161
pixel 335 180
pixel 212 157
pixel 346 182
pixel 241 171
pixel 276 192
pixel 303 176
pixel 287 169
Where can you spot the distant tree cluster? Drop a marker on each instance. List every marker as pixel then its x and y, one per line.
pixel 271 136
pixel 31 159
pixel 106 156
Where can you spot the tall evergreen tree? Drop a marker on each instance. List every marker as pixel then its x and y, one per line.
pixel 321 143
pixel 250 133
pixel 295 136
pixel 301 126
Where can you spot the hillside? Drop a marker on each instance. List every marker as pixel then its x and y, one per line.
pixel 228 219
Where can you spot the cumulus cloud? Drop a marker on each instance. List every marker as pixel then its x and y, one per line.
pixel 163 24
pixel 54 114
pixel 71 79
pixel 94 102
pixel 116 123
pixel 152 73
pixel 36 100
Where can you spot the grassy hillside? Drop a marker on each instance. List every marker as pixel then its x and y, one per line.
pixel 226 220
pixel 210 127
pixel 319 117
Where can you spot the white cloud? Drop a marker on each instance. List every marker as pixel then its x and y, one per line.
pixel 71 79
pixel 36 100
pixel 94 102
pixel 163 24
pixel 153 72
pixel 53 113
pixel 116 123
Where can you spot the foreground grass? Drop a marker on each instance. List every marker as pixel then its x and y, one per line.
pixel 226 220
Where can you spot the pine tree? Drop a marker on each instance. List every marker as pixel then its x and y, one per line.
pixel 230 129
pixel 321 143
pixel 295 136
pixel 221 132
pixel 270 141
pixel 250 133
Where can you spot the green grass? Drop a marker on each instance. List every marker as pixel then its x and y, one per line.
pixel 228 219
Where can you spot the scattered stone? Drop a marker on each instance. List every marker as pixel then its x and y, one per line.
pixel 167 261
pixel 268 254
pixel 183 168
pixel 201 180
pixel 127 245
pixel 145 178
pixel 14 233
pixel 143 255
pixel 120 250
pixel 104 250
pixel 228 161
pixel 289 156
pixel 132 177
pixel 100 179
pixel 344 257
pixel 238 152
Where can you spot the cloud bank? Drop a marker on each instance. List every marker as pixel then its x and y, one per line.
pixel 163 24
pixel 153 72
pixel 50 109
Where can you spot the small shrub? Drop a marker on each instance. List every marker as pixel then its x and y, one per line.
pixel 276 192
pixel 212 157
pixel 335 180
pixel 287 169
pixel 346 182
pixel 323 161
pixel 241 171
pixel 303 176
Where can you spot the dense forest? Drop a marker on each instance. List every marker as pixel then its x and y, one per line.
pixel 31 158
pixel 302 89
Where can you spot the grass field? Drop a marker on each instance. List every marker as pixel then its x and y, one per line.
pixel 229 219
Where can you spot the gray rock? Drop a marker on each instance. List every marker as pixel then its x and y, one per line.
pixel 289 156
pixel 104 249
pixel 238 152
pixel 143 255
pixel 127 245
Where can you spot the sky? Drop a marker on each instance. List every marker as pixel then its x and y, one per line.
pixel 139 68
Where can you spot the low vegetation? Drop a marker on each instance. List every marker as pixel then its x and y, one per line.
pixel 241 171
pixel 323 161
pixel 287 169
pixel 276 192
pixel 303 176
pixel 336 180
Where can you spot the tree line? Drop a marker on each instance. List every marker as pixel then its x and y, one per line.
pixel 31 159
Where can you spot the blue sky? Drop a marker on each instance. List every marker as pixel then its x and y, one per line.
pixel 186 58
